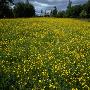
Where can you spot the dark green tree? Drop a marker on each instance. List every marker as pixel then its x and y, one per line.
pixel 61 14
pixel 75 11
pixel 54 12
pixel 68 11
pixel 5 10
pixel 51 13
pixel 83 14
pixel 27 1
pixel 87 8
pixel 69 4
pixel 41 12
pixel 24 10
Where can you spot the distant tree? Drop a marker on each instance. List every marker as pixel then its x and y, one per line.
pixel 68 11
pixel 87 8
pixel 24 10
pixel 75 11
pixel 54 12
pixel 5 10
pixel 27 1
pixel 41 12
pixel 46 14
pixel 83 14
pixel 51 13
pixel 61 14
pixel 69 4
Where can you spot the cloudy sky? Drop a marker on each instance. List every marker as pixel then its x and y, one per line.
pixel 49 4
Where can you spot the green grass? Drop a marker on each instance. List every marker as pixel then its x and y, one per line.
pixel 44 54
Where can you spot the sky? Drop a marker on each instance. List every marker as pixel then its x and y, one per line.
pixel 49 4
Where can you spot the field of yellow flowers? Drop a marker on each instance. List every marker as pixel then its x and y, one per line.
pixel 44 54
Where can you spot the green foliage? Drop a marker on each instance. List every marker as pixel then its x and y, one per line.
pixel 24 10
pixel 54 12
pixel 87 8
pixel 68 11
pixel 83 14
pixel 74 11
pixel 69 5
pixel 44 54
pixel 5 10
pixel 61 14
pixel 78 10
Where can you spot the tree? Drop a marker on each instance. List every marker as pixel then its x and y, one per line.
pixel 75 11
pixel 51 13
pixel 87 8
pixel 27 1
pixel 54 12
pixel 24 10
pixel 5 10
pixel 61 14
pixel 68 11
pixel 69 4
pixel 83 14
pixel 41 12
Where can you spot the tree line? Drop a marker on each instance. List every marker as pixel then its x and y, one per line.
pixel 27 10
pixel 76 11
pixel 10 10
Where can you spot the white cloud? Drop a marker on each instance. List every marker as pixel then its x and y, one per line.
pixel 41 4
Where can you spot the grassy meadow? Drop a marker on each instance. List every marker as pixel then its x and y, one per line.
pixel 44 54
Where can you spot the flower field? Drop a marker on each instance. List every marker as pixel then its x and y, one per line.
pixel 44 54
